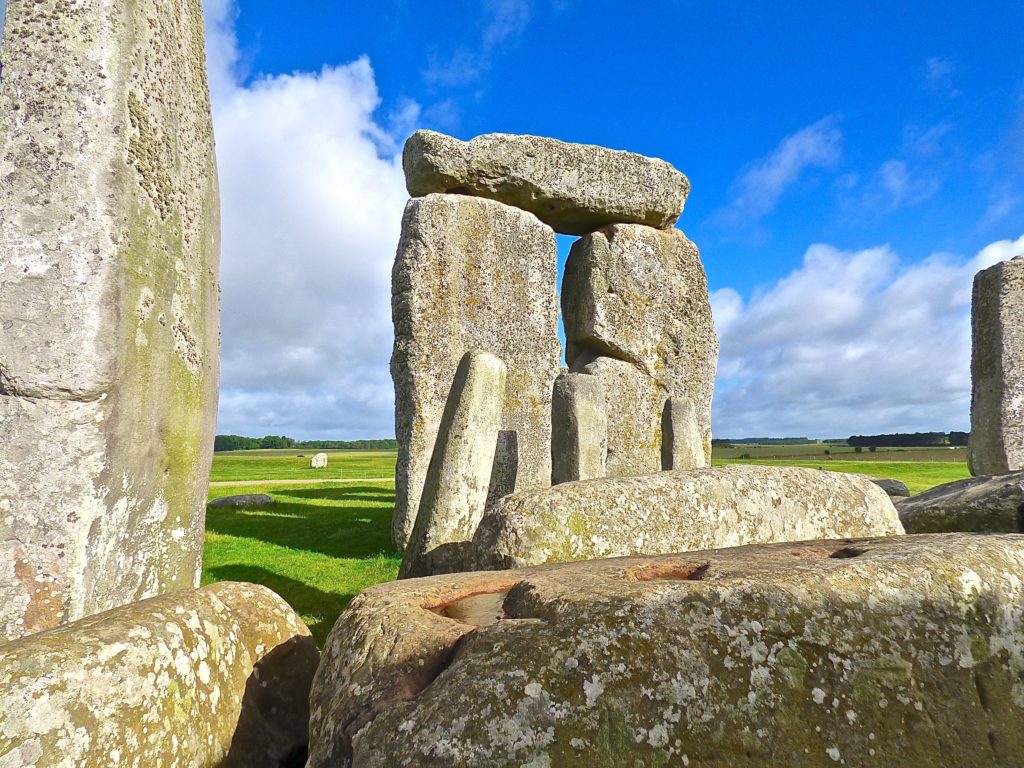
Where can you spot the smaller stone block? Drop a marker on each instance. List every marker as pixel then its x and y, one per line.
pixel 682 443
pixel 989 503
pixel 891 486
pixel 459 475
pixel 243 500
pixel 319 461
pixel 579 428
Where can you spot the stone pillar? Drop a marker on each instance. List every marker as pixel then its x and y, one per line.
pixel 459 476
pixel 109 342
pixel 472 274
pixel 682 444
pixel 997 369
pixel 579 429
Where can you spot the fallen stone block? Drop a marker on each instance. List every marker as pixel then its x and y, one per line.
pixel 573 188
pixel 891 487
pixel 992 503
pixel 888 653
pixel 243 500
pixel 678 512
pixel 218 676
pixel 579 428
pixel 459 476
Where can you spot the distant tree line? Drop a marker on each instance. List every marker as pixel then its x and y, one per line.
pixel 240 443
pixel 764 441
pixel 909 440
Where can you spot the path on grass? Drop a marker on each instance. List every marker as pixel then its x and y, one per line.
pixel 303 481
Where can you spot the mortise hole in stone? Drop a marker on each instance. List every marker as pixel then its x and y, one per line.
pixel 674 573
pixel 847 552
pixel 478 609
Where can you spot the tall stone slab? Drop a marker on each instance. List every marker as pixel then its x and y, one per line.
pixel 579 429
pixel 640 295
pixel 682 442
pixel 109 249
pixel 472 274
pixel 997 369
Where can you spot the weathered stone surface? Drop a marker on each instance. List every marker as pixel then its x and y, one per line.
pixel 213 677
pixel 574 188
pixel 986 503
pixel 996 444
pixel 891 486
pixel 890 653
pixel 243 500
pixel 640 295
pixel 109 248
pixel 682 440
pixel 633 404
pixel 579 428
pixel 472 274
pixel 678 512
pixel 459 476
pixel 318 461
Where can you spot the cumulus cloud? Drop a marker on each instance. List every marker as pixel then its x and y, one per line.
pixel 763 182
pixel 850 342
pixel 311 201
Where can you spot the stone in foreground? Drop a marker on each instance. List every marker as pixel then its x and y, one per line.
pixel 678 512
pixel 579 428
pixel 455 490
pixel 890 653
pixel 243 500
pixel 640 295
pixel 109 251
pixel 318 461
pixel 996 444
pixel 574 188
pixel 993 503
pixel 218 676
pixel 472 274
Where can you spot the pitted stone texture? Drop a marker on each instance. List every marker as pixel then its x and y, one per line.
pixel 682 441
pixel 639 294
pixel 472 274
pixel 574 188
pixel 678 512
pixel 889 653
pixel 986 503
pixel 633 404
pixel 579 428
pixel 318 461
pixel 459 476
pixel 109 248
pixel 996 444
pixel 213 677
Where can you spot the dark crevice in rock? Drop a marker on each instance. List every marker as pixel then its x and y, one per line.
pixel 674 573
pixel 1020 519
pixel 847 552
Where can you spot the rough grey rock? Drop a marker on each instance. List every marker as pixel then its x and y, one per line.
pixel 889 653
pixel 682 440
pixel 213 677
pixel 574 188
pixel 472 274
pixel 678 512
pixel 640 295
pixel 985 503
pixel 996 443
pixel 891 486
pixel 243 500
pixel 633 404
pixel 109 249
pixel 459 476
pixel 579 428
pixel 318 461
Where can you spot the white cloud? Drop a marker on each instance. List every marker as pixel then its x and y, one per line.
pixel 505 20
pixel 312 193
pixel 850 342
pixel 938 77
pixel 763 182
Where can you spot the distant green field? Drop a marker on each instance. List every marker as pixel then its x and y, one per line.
pixel 918 475
pixel 289 464
pixel 816 452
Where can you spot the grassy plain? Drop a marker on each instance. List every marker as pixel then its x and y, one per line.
pixel 288 464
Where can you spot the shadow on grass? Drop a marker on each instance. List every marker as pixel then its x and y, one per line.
pixel 367 492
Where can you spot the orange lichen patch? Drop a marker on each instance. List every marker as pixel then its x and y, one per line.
pixel 45 596
pixel 669 572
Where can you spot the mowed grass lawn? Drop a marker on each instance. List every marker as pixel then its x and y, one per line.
pixel 322 543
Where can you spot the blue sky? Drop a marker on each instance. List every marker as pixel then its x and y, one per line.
pixel 852 167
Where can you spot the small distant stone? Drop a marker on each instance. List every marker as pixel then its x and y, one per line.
pixel 243 500
pixel 319 461
pixel 891 486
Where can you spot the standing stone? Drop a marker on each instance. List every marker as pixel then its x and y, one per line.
pixel 319 461
pixel 996 444
pixel 640 295
pixel 579 428
pixel 458 479
pixel 633 402
pixel 682 444
pixel 109 249
pixel 573 188
pixel 472 274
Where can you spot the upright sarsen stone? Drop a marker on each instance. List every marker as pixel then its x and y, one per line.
pixel 579 428
pixel 109 248
pixel 472 274
pixel 997 369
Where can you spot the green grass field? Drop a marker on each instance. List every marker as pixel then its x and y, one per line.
pixel 287 464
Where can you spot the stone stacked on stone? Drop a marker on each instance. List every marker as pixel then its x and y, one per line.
pixel 996 444
pixel 109 344
pixel 884 652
